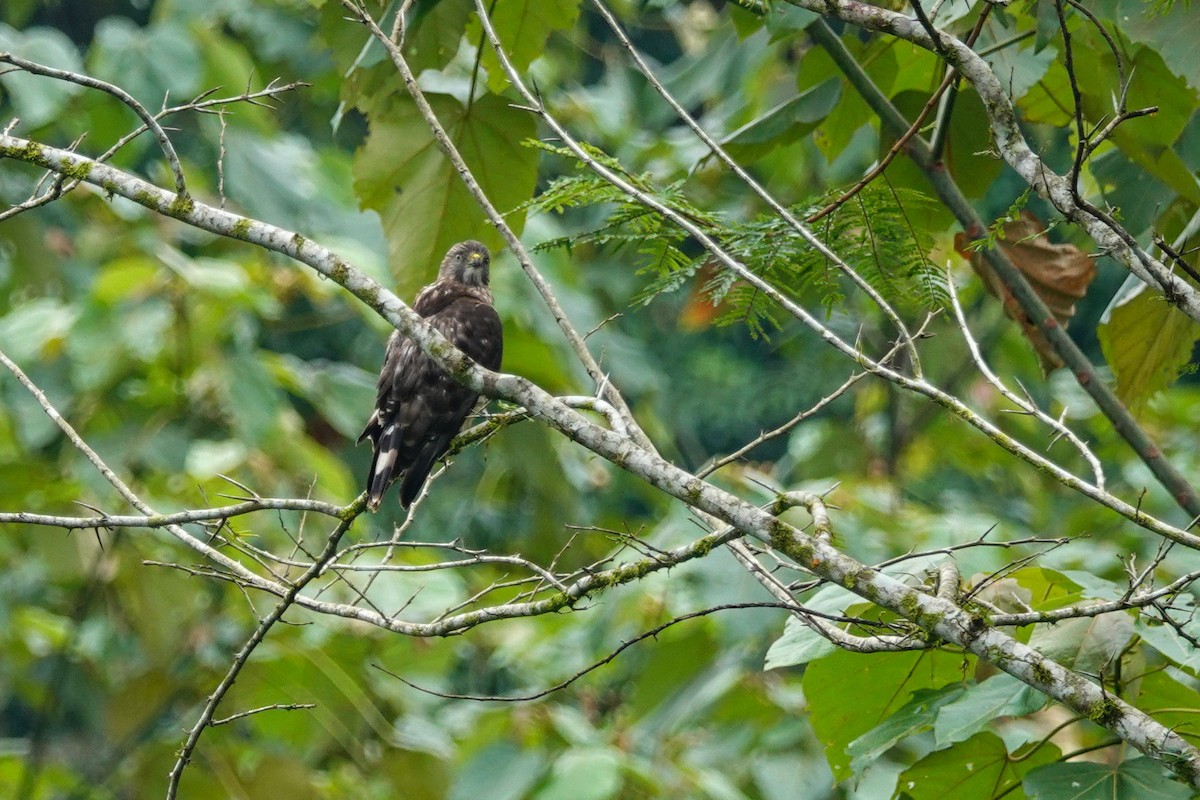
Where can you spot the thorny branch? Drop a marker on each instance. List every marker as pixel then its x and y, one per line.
pixel 148 119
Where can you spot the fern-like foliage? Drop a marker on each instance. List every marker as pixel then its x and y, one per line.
pixel 872 233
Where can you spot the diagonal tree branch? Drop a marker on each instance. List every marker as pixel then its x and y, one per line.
pixel 1014 149
pixel 1032 305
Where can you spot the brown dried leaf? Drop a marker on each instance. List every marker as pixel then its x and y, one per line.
pixel 1059 273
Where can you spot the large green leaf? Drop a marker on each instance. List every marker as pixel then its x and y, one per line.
pixel 977 768
pixel 1139 779
pixel 918 715
pixel 980 705
pixel 403 174
pixel 1171 33
pixel 1169 701
pixel 849 693
pixel 1146 341
pixel 1085 644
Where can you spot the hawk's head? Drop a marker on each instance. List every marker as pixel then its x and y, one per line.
pixel 466 262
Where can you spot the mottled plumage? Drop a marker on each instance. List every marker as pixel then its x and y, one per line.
pixel 419 409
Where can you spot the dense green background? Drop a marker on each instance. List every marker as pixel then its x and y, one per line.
pixel 181 357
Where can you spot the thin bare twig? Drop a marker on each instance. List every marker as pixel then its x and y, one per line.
pixel 125 97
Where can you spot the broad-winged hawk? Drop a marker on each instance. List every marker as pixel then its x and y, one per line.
pixel 419 409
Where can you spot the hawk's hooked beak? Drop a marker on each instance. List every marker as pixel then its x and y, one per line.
pixel 475 258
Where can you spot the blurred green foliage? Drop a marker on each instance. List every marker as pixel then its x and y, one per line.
pixel 183 358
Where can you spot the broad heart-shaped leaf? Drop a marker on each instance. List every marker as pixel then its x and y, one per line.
pixel 999 696
pixel 1138 779
pixel 1146 341
pixel 848 694
pixel 401 173
pixel 980 767
pixel 522 27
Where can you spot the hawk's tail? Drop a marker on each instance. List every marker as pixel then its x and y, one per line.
pixel 383 465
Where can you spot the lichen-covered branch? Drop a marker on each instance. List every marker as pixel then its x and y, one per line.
pixel 1109 236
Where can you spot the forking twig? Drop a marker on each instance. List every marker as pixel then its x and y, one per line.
pixel 1024 403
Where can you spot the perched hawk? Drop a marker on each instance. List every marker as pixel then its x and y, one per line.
pixel 419 408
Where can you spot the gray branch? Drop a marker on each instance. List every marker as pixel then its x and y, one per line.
pixel 1011 143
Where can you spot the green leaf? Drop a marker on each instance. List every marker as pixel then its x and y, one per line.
pixel 435 32
pixel 340 392
pixel 125 278
pixel 783 19
pixel 1048 589
pixel 979 767
pixel 30 327
pixel 501 771
pixel 584 774
pixel 1168 641
pixel 1146 341
pixel 95 353
pixel 849 694
pixel 156 64
pixel 1022 68
pixel 206 459
pixel 1171 33
pixel 1137 779
pixel 980 705
pixel 1169 702
pixel 799 643
pixel 1148 141
pixel 918 715
pixel 252 398
pixel 785 123
pixel 401 173
pixel 523 26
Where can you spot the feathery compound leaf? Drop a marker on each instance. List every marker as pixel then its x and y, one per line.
pixel 873 234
